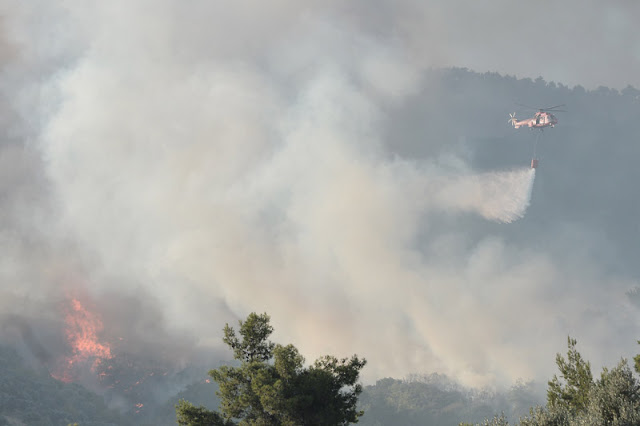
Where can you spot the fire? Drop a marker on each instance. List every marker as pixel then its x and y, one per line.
pixel 82 335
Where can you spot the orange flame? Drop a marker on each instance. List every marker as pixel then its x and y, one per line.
pixel 82 330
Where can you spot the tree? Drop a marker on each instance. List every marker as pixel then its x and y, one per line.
pixel 273 387
pixel 548 416
pixel 615 398
pixel 500 420
pixel 577 378
pixel 636 361
pixel 190 415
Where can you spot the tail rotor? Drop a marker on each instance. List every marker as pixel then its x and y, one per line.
pixel 512 119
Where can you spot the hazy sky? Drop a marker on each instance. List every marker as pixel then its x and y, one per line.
pixel 572 42
pixel 208 159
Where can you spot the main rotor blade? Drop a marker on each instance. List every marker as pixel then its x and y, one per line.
pixel 550 108
pixel 526 106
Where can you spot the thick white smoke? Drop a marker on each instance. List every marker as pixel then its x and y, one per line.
pixel 229 159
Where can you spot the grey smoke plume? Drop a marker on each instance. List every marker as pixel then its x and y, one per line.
pixel 210 160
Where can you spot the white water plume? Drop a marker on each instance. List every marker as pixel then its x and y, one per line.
pixel 498 196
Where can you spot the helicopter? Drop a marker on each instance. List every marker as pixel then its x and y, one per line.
pixel 541 119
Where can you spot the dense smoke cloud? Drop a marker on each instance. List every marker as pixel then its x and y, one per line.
pixel 211 160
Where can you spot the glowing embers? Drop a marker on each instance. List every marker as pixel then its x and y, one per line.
pixel 82 329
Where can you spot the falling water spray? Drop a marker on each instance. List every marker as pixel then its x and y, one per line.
pixel 499 196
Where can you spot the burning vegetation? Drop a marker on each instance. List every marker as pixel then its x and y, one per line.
pixel 82 330
pixel 100 361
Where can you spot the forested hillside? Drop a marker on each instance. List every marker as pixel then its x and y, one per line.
pixel 33 397
pixel 436 400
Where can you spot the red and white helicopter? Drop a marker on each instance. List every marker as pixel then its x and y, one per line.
pixel 541 119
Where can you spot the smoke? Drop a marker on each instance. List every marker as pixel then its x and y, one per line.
pixel 194 172
pixel 27 335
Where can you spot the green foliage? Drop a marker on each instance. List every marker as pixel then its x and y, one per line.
pixel 573 389
pixel 272 387
pixel 500 420
pixel 198 393
pixel 614 399
pixel 547 416
pixel 253 346
pixel 189 415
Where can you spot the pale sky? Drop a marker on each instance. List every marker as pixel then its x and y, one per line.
pixel 591 43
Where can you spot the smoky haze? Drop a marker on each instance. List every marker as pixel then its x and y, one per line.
pixel 180 166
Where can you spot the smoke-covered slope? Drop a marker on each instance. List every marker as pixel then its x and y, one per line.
pixel 436 400
pixel 33 397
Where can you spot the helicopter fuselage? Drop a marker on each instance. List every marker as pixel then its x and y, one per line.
pixel 539 120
